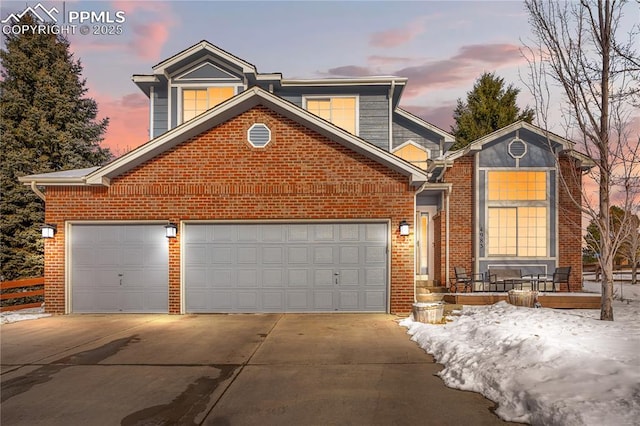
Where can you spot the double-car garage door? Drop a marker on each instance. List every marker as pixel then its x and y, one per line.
pixel 240 267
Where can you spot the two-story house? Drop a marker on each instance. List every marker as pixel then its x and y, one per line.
pixel 257 193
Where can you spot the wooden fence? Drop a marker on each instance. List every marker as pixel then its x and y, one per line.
pixel 23 285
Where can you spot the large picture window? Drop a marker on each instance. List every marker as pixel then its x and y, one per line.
pixel 517 213
pixel 197 101
pixel 340 111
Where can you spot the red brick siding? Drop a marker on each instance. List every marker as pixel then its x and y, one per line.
pixel 570 223
pixel 219 175
pixel 461 216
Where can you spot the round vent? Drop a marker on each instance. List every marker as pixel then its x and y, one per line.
pixel 517 148
pixel 259 135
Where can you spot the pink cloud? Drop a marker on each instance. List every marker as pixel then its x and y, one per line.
pixel 388 60
pixel 462 67
pixel 398 36
pixel 148 39
pixel 128 120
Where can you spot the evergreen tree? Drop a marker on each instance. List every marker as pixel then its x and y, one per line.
pixel 46 125
pixel 489 107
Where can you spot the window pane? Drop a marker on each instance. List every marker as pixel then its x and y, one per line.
pixel 517 186
pixel 502 232
pixel 217 95
pixel 339 111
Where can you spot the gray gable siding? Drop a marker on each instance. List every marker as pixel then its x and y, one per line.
pixel 405 130
pixel 208 71
pixel 160 111
pixel 495 153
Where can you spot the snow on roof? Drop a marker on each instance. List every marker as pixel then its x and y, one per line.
pixel 74 173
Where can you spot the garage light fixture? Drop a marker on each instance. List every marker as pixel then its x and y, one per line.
pixel 171 230
pixel 404 228
pixel 48 231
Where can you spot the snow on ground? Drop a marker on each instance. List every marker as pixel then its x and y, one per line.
pixel 22 315
pixel 544 366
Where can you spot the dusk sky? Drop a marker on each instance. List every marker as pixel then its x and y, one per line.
pixel 441 46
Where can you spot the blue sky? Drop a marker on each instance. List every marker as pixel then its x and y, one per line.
pixel 441 46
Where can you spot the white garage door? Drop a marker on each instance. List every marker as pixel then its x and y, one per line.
pixel 308 267
pixel 119 268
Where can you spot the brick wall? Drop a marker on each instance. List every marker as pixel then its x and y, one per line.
pixel 570 222
pixel 461 217
pixel 219 175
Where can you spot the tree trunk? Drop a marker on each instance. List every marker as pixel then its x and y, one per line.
pixel 634 273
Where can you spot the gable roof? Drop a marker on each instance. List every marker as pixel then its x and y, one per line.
pixel 448 138
pixel 565 145
pixel 215 116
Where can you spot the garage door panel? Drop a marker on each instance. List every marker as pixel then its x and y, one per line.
pixel 323 255
pixel 196 254
pixel 248 278
pixel 349 232
pixel 287 267
pixel 298 254
pixel 247 255
pixel 375 254
pixel 220 278
pixel 297 300
pixel 323 277
pixel 273 301
pixel 248 300
pixel 348 300
pixel 272 255
pixel 323 300
pixel 349 277
pixel 349 254
pixel 272 278
pixel 375 277
pixel 119 268
pixel 298 278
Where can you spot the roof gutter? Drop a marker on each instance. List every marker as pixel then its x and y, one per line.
pixel 39 193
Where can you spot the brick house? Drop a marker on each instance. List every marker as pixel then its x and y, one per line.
pixel 257 193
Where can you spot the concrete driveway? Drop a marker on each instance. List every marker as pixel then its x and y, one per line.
pixel 271 369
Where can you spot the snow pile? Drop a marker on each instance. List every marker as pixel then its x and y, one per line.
pixel 543 366
pixel 22 315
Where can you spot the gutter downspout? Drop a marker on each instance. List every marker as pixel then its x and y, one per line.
pixel 391 90
pixel 39 193
pixel 446 262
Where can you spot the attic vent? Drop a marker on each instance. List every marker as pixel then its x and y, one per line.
pixel 517 148
pixel 259 135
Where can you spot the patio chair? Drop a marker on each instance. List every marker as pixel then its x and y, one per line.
pixel 560 276
pixel 463 281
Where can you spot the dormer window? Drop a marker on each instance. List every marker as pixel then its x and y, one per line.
pixel 197 101
pixel 339 110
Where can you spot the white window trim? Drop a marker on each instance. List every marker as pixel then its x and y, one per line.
pixel 515 204
pixel 329 96
pixel 249 135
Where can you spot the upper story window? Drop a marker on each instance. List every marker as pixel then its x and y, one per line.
pixel 517 185
pixel 197 101
pixel 339 110
pixel 517 213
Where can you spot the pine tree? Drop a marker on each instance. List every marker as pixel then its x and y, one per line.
pixel 46 125
pixel 489 107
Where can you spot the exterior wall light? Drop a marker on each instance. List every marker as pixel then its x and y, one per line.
pixel 48 231
pixel 404 228
pixel 171 230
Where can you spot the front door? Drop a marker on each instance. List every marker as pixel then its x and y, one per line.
pixel 423 243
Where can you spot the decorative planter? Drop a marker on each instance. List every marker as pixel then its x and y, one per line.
pixel 428 312
pixel 526 298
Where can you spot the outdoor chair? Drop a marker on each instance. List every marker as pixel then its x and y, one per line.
pixel 560 276
pixel 462 281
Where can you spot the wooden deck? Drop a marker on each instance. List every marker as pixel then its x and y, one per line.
pixel 547 300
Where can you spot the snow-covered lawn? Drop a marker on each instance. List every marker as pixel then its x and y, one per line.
pixel 544 366
pixel 22 315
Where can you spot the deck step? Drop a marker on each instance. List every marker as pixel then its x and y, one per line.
pixel 430 297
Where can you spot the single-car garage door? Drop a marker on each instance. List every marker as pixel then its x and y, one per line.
pixel 119 268
pixel 298 267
